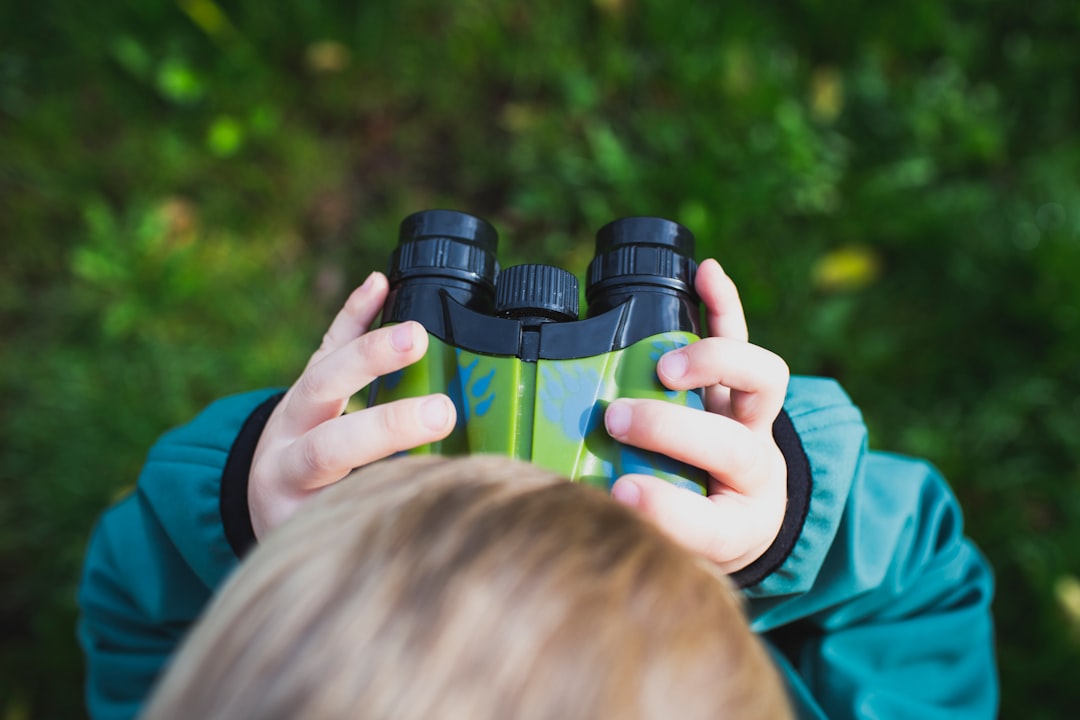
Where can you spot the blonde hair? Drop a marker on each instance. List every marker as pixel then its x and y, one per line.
pixel 470 588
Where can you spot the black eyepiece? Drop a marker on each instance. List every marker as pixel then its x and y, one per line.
pixel 441 253
pixel 447 244
pixel 645 255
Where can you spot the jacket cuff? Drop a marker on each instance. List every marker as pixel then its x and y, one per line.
pixel 832 435
pixel 235 513
pixel 799 490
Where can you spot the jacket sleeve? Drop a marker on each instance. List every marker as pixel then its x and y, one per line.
pixel 155 557
pixel 882 607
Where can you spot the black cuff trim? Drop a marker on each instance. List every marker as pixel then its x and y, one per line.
pixel 800 484
pixel 235 515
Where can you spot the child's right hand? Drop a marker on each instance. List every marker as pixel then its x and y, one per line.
pixel 308 443
pixel 732 439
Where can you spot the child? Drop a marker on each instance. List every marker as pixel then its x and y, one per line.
pixel 478 588
pixel 853 562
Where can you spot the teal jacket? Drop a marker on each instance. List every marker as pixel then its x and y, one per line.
pixel 873 602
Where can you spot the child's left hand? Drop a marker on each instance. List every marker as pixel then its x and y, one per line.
pixel 745 387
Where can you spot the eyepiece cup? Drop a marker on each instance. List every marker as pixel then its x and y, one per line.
pixel 642 252
pixel 445 244
pixel 645 231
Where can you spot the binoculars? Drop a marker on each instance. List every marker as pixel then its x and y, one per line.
pixel 528 378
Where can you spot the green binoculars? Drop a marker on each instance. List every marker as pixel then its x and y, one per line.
pixel 529 378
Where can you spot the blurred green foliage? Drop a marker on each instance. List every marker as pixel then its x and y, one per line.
pixel 188 189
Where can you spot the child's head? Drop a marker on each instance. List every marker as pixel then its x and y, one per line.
pixel 470 588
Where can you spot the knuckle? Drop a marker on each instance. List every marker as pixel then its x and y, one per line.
pixel 363 344
pixel 319 456
pixel 373 350
pixel 397 421
pixel 311 383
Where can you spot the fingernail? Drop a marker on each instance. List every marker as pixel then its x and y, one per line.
pixel 435 412
pixel 674 364
pixel 617 419
pixel 401 337
pixel 626 492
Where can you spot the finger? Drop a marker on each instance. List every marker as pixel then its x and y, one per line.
pixel 330 451
pixel 720 527
pixel 355 317
pixel 324 388
pixel 722 447
pixel 723 309
pixel 757 378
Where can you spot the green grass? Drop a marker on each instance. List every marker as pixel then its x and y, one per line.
pixel 188 190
